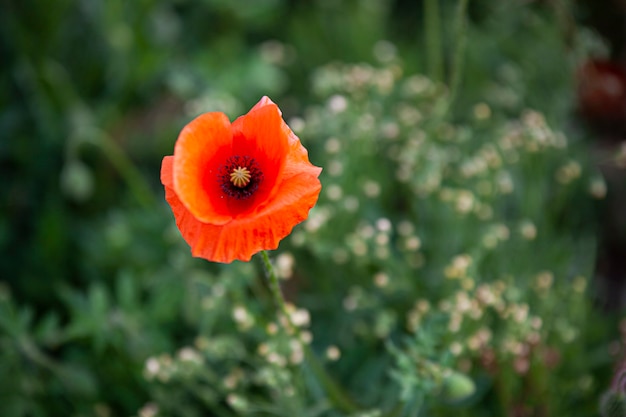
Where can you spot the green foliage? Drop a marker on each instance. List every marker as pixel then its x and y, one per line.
pixel 446 269
pixel 458 234
pixel 613 405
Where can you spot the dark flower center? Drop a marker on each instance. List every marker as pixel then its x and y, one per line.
pixel 240 177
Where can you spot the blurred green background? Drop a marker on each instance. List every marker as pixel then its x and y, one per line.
pixel 95 279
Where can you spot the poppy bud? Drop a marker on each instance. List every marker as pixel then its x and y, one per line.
pixel 457 387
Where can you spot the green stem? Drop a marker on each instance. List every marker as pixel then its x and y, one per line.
pixel 336 394
pixel 566 21
pixel 432 36
pixel 333 390
pixel 410 408
pixel 272 281
pixel 60 83
pixel 502 394
pixel 459 51
pixel 127 170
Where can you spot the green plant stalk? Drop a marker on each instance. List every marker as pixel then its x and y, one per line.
pixel 336 394
pixel 460 35
pixel 502 393
pixel 410 408
pixel 127 170
pixel 272 280
pixel 432 36
pixel 60 81
pixel 566 21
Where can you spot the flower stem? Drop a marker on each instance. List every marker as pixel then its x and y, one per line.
pixel 333 390
pixel 125 167
pixel 336 394
pixel 432 36
pixel 272 281
pixel 459 50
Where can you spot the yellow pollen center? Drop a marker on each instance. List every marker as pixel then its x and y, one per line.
pixel 240 177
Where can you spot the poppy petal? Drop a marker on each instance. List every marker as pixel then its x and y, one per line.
pixel 188 225
pixel 298 157
pixel 240 239
pixel 200 150
pixel 297 153
pixel 260 135
pixel 265 100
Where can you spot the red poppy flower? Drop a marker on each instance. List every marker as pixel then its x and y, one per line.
pixel 236 189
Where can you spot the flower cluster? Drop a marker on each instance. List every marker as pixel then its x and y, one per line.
pixel 433 244
pixel 424 215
